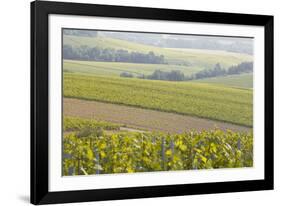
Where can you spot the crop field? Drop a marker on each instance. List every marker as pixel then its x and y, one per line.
pixel 116 68
pixel 241 80
pixel 91 151
pixel 194 57
pixel 139 118
pixel 232 105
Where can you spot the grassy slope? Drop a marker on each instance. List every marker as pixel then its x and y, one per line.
pixel 115 68
pixel 197 58
pixel 242 80
pixel 209 101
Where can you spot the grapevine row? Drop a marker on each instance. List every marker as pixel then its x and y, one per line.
pixel 92 151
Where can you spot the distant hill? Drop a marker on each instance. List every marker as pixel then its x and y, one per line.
pixel 188 57
pixel 232 44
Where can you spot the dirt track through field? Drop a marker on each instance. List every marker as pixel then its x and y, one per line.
pixel 142 119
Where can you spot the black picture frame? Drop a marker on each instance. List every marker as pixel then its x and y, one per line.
pixel 40 113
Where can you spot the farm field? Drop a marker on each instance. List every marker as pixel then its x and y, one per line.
pixel 195 99
pixel 142 119
pixel 116 68
pixel 192 57
pixel 240 80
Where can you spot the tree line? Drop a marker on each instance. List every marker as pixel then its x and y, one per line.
pixel 174 75
pixel 110 55
pixel 177 75
pixel 244 67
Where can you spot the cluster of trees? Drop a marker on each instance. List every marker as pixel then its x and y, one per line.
pixel 244 67
pixel 126 74
pixel 216 71
pixel 110 55
pixel 176 75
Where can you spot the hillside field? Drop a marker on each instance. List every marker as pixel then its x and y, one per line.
pixel 116 68
pixel 240 80
pixel 203 100
pixel 143 119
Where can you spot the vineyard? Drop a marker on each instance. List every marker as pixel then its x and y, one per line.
pixel 90 149
pixel 203 100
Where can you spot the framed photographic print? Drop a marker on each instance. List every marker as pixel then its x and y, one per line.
pixel 131 102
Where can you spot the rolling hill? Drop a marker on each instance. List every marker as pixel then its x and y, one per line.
pixel 192 57
pixel 196 99
pixel 116 68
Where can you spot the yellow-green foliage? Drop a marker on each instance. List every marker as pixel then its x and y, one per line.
pixel 203 100
pixel 98 153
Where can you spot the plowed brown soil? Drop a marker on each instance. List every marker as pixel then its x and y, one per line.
pixel 142 119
